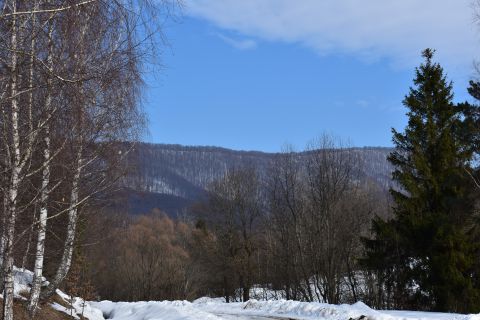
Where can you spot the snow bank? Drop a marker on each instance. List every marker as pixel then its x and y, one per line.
pixel 419 315
pixel 315 310
pixel 21 287
pixel 216 309
pixel 78 307
pixel 208 300
pixel 152 310
pixel 284 308
pixel 319 311
pixel 22 280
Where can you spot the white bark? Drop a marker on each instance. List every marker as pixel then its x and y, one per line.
pixel 42 220
pixel 30 123
pixel 66 260
pixel 56 10
pixel 41 225
pixel 3 240
pixel 14 181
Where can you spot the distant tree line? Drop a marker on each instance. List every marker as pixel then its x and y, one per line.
pixel 188 171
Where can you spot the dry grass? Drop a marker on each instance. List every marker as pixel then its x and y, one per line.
pixel 60 301
pixel 46 312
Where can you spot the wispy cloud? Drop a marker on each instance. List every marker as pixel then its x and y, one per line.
pixel 363 103
pixel 241 44
pixel 371 29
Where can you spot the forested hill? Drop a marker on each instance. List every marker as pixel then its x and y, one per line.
pixel 172 177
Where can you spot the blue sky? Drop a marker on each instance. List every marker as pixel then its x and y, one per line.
pixel 242 78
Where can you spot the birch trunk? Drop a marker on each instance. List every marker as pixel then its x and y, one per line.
pixel 42 220
pixel 66 260
pixel 14 181
pixel 30 120
pixel 3 240
pixel 42 227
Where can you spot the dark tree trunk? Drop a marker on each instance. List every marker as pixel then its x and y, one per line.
pixel 246 294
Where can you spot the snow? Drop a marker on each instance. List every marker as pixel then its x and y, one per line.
pixel 153 310
pixel 21 288
pixel 211 309
pixel 217 309
pixel 78 306
pixel 21 282
pixel 418 315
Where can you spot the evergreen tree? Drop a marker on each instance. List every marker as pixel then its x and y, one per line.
pixel 424 252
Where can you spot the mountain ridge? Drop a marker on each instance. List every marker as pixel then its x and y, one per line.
pixel 172 176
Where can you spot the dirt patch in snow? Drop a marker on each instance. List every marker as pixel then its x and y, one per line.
pixel 46 312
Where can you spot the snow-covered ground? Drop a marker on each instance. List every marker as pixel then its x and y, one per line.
pixel 21 288
pixel 217 309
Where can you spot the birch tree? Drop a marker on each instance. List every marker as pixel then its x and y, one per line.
pixel 15 171
pixel 69 88
pixel 45 185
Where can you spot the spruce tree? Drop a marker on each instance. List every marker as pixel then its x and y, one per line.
pixel 424 252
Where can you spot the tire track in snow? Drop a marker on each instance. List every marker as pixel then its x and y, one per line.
pixel 228 316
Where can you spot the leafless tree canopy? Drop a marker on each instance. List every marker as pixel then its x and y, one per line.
pixel 318 212
pixel 70 82
pixel 293 231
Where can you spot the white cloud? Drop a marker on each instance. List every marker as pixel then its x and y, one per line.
pixel 363 103
pixel 370 29
pixel 241 44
